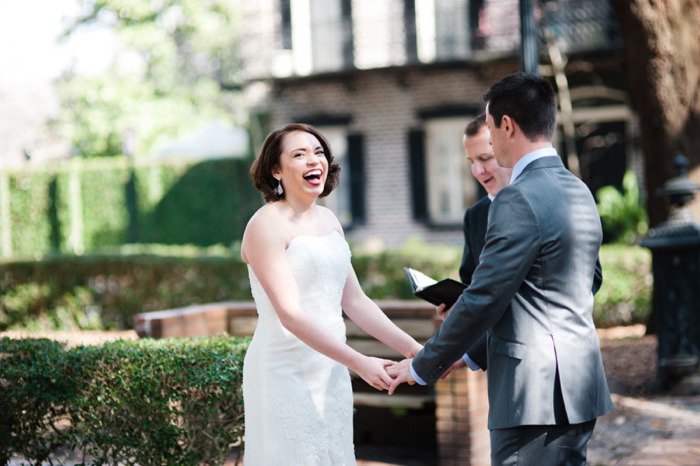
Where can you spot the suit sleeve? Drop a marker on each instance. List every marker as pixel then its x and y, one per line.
pixel 512 243
pixel 477 353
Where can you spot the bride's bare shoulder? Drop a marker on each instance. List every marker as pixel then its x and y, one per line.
pixel 269 213
pixel 264 229
pixel 330 219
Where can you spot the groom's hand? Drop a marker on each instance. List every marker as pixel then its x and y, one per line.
pixel 401 373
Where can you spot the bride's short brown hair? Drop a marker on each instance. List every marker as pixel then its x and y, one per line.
pixel 269 158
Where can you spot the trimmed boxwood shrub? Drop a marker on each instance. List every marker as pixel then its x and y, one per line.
pixel 89 292
pixel 37 388
pixel 148 402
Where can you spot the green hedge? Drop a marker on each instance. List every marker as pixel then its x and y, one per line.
pixel 87 205
pixel 148 402
pixel 92 292
pixel 31 205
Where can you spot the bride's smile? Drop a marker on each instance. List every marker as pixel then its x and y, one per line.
pixel 314 176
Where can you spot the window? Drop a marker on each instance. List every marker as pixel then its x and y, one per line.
pixel 347 200
pixel 450 184
pixel 452 29
pixel 442 29
pixel 321 35
pixel 443 184
pixel 339 200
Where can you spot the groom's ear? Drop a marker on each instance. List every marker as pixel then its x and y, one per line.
pixel 508 126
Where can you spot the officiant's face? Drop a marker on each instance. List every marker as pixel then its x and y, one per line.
pixel 483 162
pixel 303 166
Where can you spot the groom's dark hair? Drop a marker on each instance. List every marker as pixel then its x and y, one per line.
pixel 269 159
pixel 529 100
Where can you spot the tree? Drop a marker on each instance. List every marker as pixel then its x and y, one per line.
pixel 174 70
pixel 662 51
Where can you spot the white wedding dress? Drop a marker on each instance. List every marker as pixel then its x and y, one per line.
pixel 298 402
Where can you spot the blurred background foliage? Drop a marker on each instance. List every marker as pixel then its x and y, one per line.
pixel 91 242
pixel 88 205
pixel 174 70
pixel 105 290
pixel 625 298
pixel 622 212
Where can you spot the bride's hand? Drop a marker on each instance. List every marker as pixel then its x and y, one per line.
pixel 372 370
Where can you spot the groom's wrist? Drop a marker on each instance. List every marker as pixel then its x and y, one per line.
pixel 415 375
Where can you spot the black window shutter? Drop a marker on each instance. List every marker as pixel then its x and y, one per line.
pixel 416 148
pixel 356 164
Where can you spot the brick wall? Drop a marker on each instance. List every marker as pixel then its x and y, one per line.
pixel 461 404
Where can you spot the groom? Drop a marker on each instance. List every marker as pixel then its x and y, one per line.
pixel 531 294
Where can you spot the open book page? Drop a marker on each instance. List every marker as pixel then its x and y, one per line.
pixel 418 279
pixel 445 291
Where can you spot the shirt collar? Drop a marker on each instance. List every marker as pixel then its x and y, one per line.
pixel 531 157
pixel 491 197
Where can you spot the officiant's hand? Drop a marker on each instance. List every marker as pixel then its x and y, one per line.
pixel 442 311
pixel 458 364
pixel 401 373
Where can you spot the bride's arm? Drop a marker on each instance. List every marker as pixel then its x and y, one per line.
pixel 264 249
pixel 370 318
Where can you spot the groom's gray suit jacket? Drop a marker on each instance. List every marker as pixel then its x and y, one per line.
pixel 532 293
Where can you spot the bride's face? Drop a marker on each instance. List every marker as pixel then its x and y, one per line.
pixel 303 165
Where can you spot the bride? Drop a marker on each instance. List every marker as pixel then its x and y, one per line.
pixel 296 383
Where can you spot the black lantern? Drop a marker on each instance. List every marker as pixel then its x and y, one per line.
pixel 675 248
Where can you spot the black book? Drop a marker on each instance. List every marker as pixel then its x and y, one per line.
pixel 445 291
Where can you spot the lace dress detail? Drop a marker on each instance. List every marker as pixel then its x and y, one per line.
pixel 298 402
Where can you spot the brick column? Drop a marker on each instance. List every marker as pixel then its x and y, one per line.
pixel 461 411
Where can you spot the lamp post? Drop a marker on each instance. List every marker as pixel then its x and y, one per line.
pixel 675 248
pixel 529 56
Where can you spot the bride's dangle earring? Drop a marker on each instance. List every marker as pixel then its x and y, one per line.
pixel 280 190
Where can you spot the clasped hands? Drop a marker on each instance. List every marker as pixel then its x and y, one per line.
pixel 384 374
pixel 400 372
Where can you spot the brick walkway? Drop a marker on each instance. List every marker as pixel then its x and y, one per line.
pixel 654 431
pixel 671 452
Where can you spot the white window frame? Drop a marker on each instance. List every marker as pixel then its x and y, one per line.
pixel 317 36
pixel 339 201
pixel 437 20
pixel 450 185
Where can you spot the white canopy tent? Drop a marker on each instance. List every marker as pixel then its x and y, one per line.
pixel 215 140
